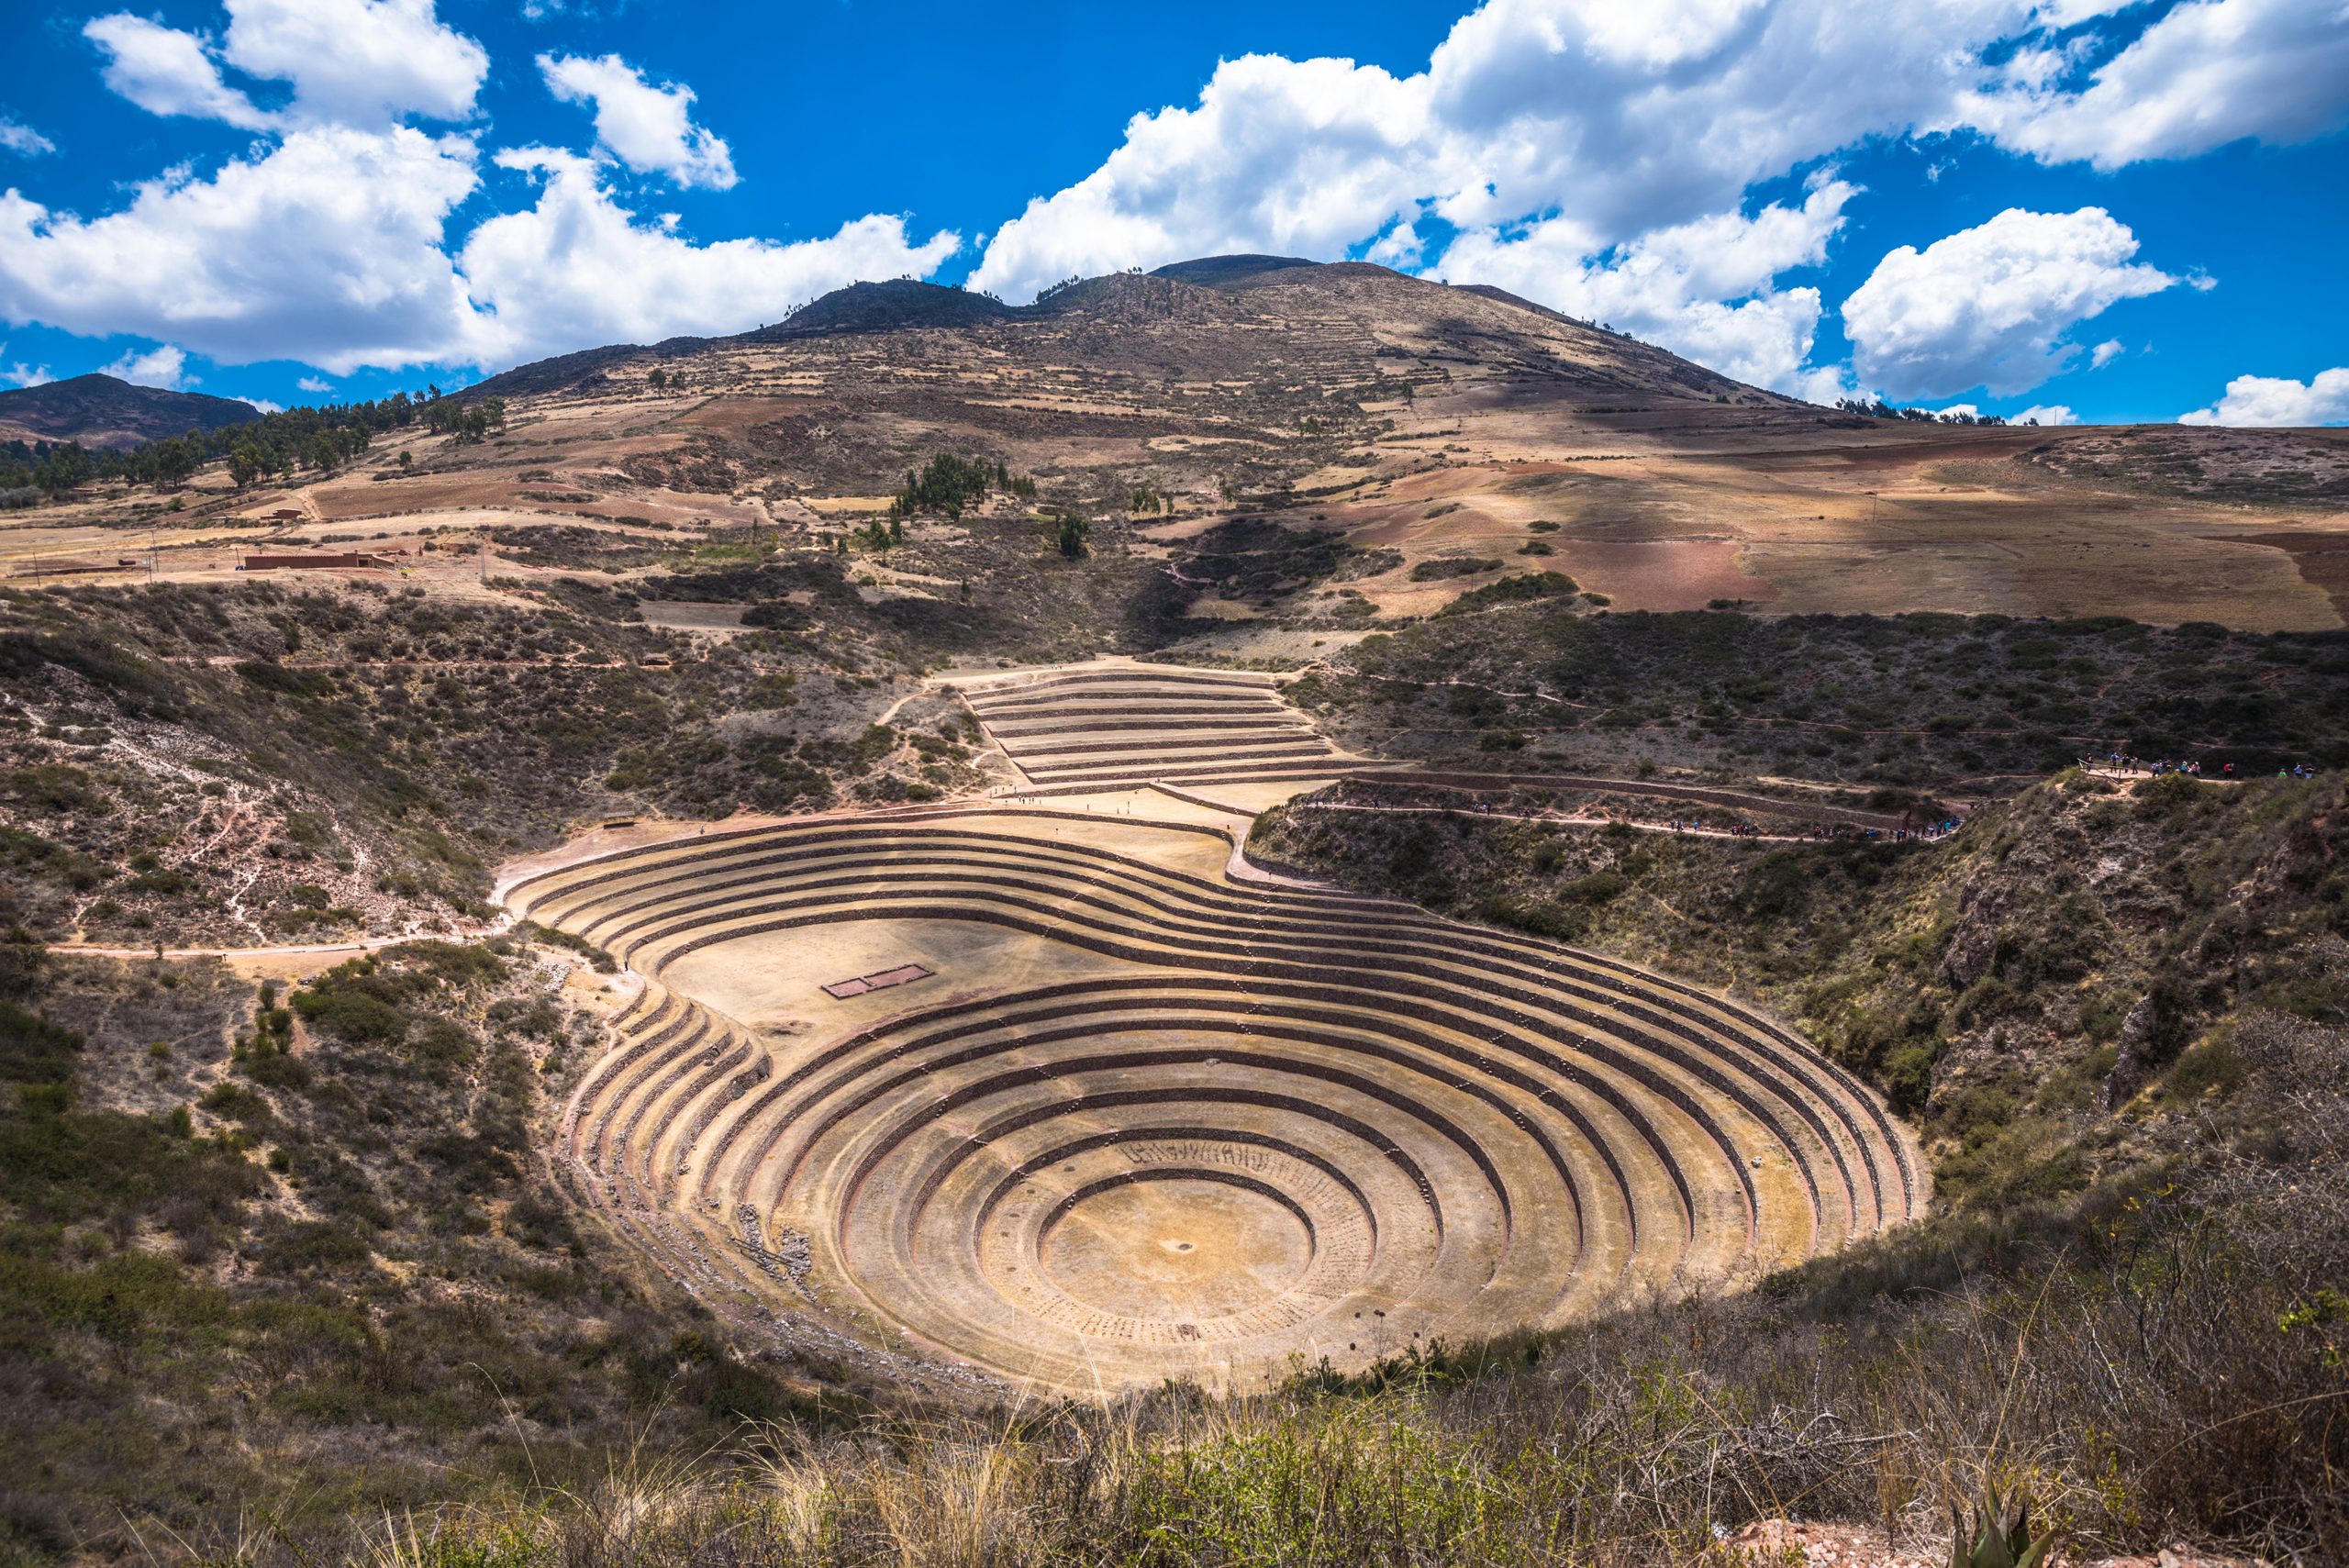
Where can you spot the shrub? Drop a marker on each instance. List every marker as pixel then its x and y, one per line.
pixel 54 788
pixel 1526 589
pixel 352 1016
pixel 1442 567
pixel 1598 887
pixel 1908 1073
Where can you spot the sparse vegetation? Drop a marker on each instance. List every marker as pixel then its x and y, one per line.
pixel 338 1262
pixel 1914 700
pixel 1444 566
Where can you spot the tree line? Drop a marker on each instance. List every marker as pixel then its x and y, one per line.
pixel 1880 409
pixel 320 438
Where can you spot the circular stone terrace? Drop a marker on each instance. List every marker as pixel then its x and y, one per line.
pixel 1065 1092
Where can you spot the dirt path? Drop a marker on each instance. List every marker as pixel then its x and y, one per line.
pixel 1535 694
pixel 1538 695
pixel 2129 775
pixel 286 960
pixel 287 963
pixel 890 713
pixel 306 950
pixel 1560 821
pixel 1696 794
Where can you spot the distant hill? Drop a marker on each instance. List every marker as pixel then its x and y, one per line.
pixel 1327 322
pixel 1502 294
pixel 104 411
pixel 1228 271
pixel 885 307
pixel 581 368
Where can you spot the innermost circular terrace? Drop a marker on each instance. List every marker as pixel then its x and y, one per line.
pixel 1186 1245
pixel 1044 1089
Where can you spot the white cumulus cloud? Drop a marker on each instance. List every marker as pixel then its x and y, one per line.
pixel 1628 116
pixel 329 241
pixel 1988 305
pixel 1605 120
pixel 2209 73
pixel 358 61
pixel 2104 353
pixel 23 374
pixel 368 62
pixel 315 383
pixel 324 248
pixel 163 365
pixel 167 72
pixel 2279 401
pixel 1294 157
pixel 647 127
pixel 1615 120
pixel 330 247
pixel 23 140
pixel 2046 414
pixel 1705 289
pixel 577 268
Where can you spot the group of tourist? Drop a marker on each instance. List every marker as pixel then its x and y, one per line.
pixel 1735 829
pixel 1933 830
pixel 2160 766
pixel 2191 767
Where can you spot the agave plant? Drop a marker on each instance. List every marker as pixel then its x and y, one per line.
pixel 1998 1542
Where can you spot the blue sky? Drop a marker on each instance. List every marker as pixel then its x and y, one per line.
pixel 2070 209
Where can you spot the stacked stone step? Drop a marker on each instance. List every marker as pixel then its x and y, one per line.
pixel 1121 727
pixel 1429 1128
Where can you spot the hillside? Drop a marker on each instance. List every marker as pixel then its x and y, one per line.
pixel 346 1260
pixel 101 411
pixel 1260 313
pixel 1446 426
pixel 1443 438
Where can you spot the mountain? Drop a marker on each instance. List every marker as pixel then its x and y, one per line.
pixel 104 411
pixel 1453 432
pixel 885 307
pixel 1219 318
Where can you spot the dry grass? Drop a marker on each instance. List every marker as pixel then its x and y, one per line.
pixel 2126 1365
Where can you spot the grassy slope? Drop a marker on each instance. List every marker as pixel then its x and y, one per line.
pixel 371 751
pixel 1914 700
pixel 1991 983
pixel 300 1262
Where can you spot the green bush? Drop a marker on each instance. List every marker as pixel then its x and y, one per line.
pixel 1908 1073
pixel 1442 567
pixel 54 788
pixel 2211 1066
pixel 352 1016
pixel 1598 887
pixel 1530 588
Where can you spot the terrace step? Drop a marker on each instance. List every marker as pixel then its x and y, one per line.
pixel 1386 1122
